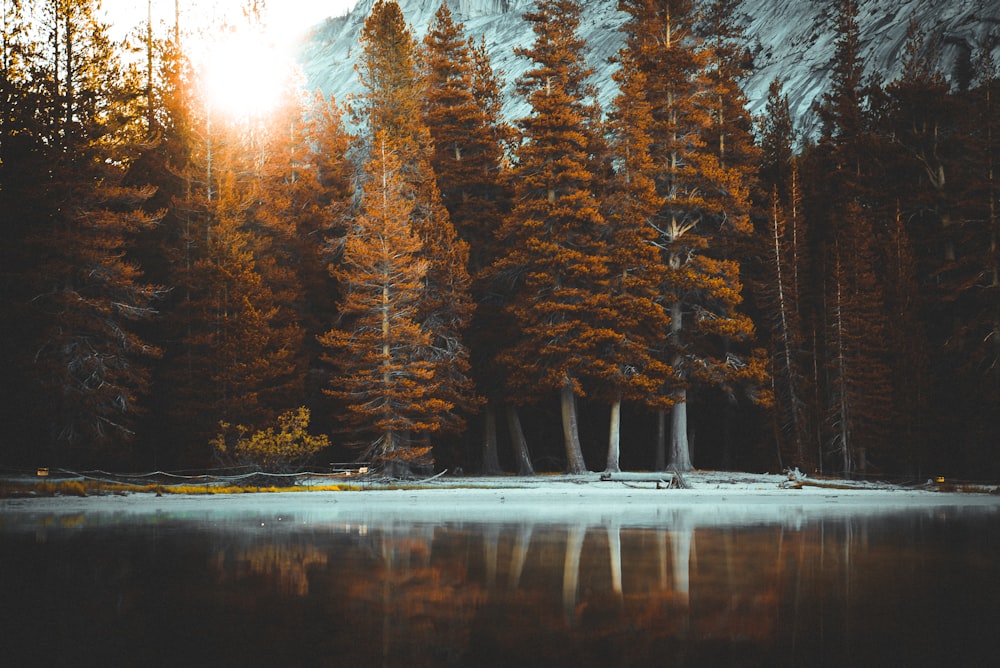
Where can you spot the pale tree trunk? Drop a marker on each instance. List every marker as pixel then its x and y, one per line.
pixel 571 571
pixel 571 430
pixel 518 442
pixel 615 556
pixel 680 542
pixel 519 555
pixel 491 459
pixel 614 436
pixel 680 454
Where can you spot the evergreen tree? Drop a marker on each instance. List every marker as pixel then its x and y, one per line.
pixel 777 141
pixel 728 64
pixel 557 257
pixel 922 148
pixel 780 290
pixel 65 197
pixel 849 218
pixel 706 208
pixel 379 348
pixel 465 128
pixel 390 71
pixel 973 277
pixel 860 403
pixel 322 192
pixel 632 370
pixel 841 107
pixel 237 318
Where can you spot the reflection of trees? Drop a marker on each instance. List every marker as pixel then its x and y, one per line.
pixel 411 594
pixel 284 566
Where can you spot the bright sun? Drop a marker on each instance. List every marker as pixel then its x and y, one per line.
pixel 244 73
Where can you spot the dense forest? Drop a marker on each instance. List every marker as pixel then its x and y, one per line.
pixel 408 278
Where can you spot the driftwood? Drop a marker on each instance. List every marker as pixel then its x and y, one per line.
pixel 799 484
pixel 797 481
pixel 668 480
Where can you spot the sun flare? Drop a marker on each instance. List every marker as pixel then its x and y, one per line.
pixel 245 74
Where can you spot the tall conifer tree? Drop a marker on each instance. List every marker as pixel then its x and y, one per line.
pixel 705 210
pixel 632 370
pixel 390 72
pixel 379 347
pixel 64 194
pixel 466 131
pixel 557 256
pixel 237 317
pixel 846 218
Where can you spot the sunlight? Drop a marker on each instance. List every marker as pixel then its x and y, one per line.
pixel 245 74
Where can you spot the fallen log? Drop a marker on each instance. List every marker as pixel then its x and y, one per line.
pixel 665 480
pixel 797 481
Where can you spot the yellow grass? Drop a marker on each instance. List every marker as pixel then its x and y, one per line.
pixel 102 488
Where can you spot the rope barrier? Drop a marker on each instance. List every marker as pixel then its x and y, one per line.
pixel 218 476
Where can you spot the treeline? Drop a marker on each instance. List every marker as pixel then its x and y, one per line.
pixel 668 282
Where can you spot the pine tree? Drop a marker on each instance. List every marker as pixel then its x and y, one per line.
pixel 728 64
pixel 860 403
pixel 557 258
pixel 633 371
pixel 65 184
pixel 973 277
pixel 322 193
pixel 777 140
pixel 850 219
pixel 379 348
pixel 919 206
pixel 781 296
pixel 840 109
pixel 706 209
pixel 390 72
pixel 462 115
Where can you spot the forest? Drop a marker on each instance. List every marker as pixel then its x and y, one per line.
pixel 408 278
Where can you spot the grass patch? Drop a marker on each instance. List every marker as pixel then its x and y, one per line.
pixel 82 488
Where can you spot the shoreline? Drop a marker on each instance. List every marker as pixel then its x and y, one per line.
pixel 714 499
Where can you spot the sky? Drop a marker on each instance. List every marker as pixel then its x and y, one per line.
pixel 286 17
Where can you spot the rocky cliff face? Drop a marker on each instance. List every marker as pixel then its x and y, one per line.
pixel 790 39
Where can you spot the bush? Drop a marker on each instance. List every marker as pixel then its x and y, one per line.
pixel 281 450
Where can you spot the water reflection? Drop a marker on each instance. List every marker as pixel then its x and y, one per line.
pixel 908 588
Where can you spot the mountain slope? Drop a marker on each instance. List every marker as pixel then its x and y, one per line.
pixel 789 40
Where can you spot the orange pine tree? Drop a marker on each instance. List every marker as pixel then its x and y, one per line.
pixel 557 260
pixel 462 114
pixel 384 375
pixel 237 319
pixel 705 210
pixel 632 370
pixel 390 72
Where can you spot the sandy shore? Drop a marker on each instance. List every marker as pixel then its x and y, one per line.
pixel 635 499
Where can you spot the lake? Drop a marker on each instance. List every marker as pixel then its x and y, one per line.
pixel 294 583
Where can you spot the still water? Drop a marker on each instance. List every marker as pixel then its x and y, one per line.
pixel 902 588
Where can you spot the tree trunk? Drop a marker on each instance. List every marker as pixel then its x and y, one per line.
pixel 615 556
pixel 491 460
pixel 661 440
pixel 680 455
pixel 518 442
pixel 571 571
pixel 614 437
pixel 681 538
pixel 519 556
pixel 571 430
